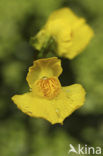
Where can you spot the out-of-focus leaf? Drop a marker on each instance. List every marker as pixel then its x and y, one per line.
pixel 12 138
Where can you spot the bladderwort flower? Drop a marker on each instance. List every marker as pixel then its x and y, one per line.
pixel 47 98
pixel 70 33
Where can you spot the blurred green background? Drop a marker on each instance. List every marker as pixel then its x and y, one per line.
pixel 20 134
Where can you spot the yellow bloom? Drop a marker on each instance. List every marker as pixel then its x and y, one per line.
pixel 47 98
pixel 71 33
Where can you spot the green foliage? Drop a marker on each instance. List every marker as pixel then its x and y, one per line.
pixel 12 138
pixel 88 67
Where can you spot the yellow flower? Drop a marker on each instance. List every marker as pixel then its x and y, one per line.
pixel 47 98
pixel 71 33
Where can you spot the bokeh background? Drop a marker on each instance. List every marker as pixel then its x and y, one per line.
pixel 20 134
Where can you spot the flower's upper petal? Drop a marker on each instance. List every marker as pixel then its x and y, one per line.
pixel 70 32
pixel 55 110
pixel 47 67
pixel 60 24
pixel 64 14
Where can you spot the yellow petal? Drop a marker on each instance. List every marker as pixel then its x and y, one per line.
pixel 47 67
pixel 36 107
pixel 81 36
pixel 70 32
pixel 76 93
pixel 65 14
pixel 55 110
pixel 69 100
pixel 60 25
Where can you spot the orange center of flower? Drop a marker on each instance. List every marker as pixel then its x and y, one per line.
pixel 48 87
